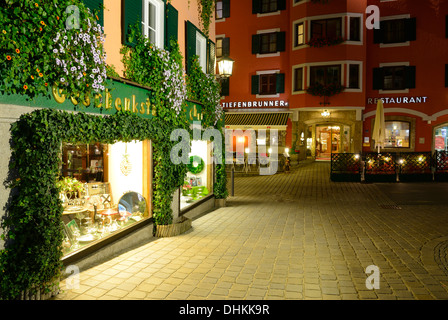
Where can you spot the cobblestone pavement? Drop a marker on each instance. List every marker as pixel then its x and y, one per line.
pixel 289 236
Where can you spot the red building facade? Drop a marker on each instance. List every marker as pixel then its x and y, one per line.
pixel 318 62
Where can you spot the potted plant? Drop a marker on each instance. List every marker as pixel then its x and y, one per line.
pixel 70 187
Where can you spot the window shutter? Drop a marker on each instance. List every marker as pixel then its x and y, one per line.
pixel 226 8
pixel 280 83
pixel 446 26
pixel 256 6
pixel 446 76
pixel 132 15
pixel 226 47
pixel 281 4
pixel 281 41
pixel 410 77
pixel 378 34
pixel 377 79
pixel 255 84
pixel 225 87
pixel 211 57
pixel 171 25
pixel 96 6
pixel 411 29
pixel 255 43
pixel 190 43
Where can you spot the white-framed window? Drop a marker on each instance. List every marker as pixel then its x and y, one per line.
pixel 152 24
pixel 298 79
pixel 354 76
pixel 201 50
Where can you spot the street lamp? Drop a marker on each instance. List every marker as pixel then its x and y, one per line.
pixel 225 67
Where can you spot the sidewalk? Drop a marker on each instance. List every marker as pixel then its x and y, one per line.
pixel 289 236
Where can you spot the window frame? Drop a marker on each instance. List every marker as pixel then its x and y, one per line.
pixel 339 66
pixel 159 23
pixel 201 52
pixel 409 133
pixel 324 31
pixel 295 70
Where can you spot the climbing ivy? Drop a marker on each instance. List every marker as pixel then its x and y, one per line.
pixel 32 225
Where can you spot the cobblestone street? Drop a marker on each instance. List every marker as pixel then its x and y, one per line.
pixel 293 235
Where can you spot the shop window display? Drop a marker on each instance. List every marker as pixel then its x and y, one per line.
pixel 397 134
pixel 198 182
pixel 101 191
pixel 441 139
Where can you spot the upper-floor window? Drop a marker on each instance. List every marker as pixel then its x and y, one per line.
pixel 268 6
pixel 397 77
pixel 222 9
pixel 354 76
pixel 325 75
pixel 152 25
pixel 298 79
pixel 396 31
pixel 299 34
pixel 222 47
pixel 268 83
pixel 326 28
pixel 270 42
pixel 355 29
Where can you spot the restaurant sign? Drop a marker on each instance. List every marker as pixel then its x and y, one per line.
pixel 255 104
pixel 398 100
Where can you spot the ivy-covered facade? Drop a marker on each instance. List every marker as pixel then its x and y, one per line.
pixel 69 113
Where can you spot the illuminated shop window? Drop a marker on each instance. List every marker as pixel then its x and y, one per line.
pixel 397 134
pixel 198 182
pixel 102 191
pixel 440 139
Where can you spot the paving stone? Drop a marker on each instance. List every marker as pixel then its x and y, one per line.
pixel 288 236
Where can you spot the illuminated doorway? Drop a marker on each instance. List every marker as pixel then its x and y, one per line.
pixel 331 139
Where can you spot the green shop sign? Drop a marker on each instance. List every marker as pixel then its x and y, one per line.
pixel 117 96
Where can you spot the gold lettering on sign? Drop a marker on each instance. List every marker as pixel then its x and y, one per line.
pixel 108 99
pixel 134 104
pixel 98 97
pixel 118 104
pixel 127 104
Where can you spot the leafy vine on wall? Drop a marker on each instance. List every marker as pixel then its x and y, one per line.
pixel 32 226
pixel 37 49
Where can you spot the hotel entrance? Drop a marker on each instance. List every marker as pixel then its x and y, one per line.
pixel 330 139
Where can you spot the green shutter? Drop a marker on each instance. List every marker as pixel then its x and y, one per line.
pixel 281 4
pixel 211 57
pixel 190 43
pixel 171 25
pixel 225 87
pixel 256 6
pixel 410 77
pixel 226 47
pixel 97 8
pixel 280 83
pixel 411 29
pixel 446 26
pixel 226 8
pixel 377 79
pixel 255 43
pixel 255 84
pixel 132 15
pixel 281 41
pixel 378 34
pixel 446 76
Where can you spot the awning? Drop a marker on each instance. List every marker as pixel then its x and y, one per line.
pixel 271 120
